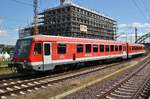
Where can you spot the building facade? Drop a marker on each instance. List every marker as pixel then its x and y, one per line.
pixel 76 21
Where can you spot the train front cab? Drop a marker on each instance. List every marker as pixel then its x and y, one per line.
pixel 31 55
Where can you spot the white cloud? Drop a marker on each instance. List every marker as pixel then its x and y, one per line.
pixel 1 21
pixel 135 24
pixel 130 28
pixel 127 31
pixel 3 33
pixel 17 29
pixel 122 25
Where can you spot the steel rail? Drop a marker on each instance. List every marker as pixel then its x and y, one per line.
pixel 103 96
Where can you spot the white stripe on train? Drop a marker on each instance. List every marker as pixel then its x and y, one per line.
pixel 84 59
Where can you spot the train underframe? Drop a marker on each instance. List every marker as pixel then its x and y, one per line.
pixel 21 67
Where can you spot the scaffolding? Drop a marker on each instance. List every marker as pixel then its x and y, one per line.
pixel 73 20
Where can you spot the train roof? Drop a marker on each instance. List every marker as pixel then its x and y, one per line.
pixel 134 44
pixel 70 39
pixel 62 39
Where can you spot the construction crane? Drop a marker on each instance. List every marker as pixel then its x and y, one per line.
pixel 35 6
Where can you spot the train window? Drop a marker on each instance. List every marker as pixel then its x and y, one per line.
pixel 124 48
pixel 133 48
pixel 112 48
pixel 120 48
pixel 95 48
pixel 22 48
pixel 79 48
pixel 61 48
pixel 37 48
pixel 101 48
pixel 88 48
pixel 116 48
pixel 47 49
pixel 107 48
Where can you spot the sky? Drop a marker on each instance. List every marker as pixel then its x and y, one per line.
pixel 127 13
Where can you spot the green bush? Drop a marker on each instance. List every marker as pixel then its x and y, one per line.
pixel 4 62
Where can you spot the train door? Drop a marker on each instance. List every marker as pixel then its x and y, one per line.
pixel 47 60
pixel 125 51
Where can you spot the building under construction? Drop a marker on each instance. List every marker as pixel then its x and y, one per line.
pixel 72 20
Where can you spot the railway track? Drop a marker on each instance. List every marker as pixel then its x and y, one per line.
pixel 132 87
pixel 15 77
pixel 12 88
pixel 144 90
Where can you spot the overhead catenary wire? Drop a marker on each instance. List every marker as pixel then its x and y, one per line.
pixel 22 2
pixel 145 7
pixel 25 3
pixel 147 18
pixel 140 10
pixel 5 27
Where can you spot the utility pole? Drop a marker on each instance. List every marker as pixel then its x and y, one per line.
pixel 35 6
pixel 135 34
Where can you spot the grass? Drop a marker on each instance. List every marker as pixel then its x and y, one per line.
pixel 4 62
pixel 4 69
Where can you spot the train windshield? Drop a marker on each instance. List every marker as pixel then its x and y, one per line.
pixel 22 48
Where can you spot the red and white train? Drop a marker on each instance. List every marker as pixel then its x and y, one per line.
pixel 43 53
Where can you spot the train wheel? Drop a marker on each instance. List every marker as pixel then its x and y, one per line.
pixel 21 70
pixel 65 67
